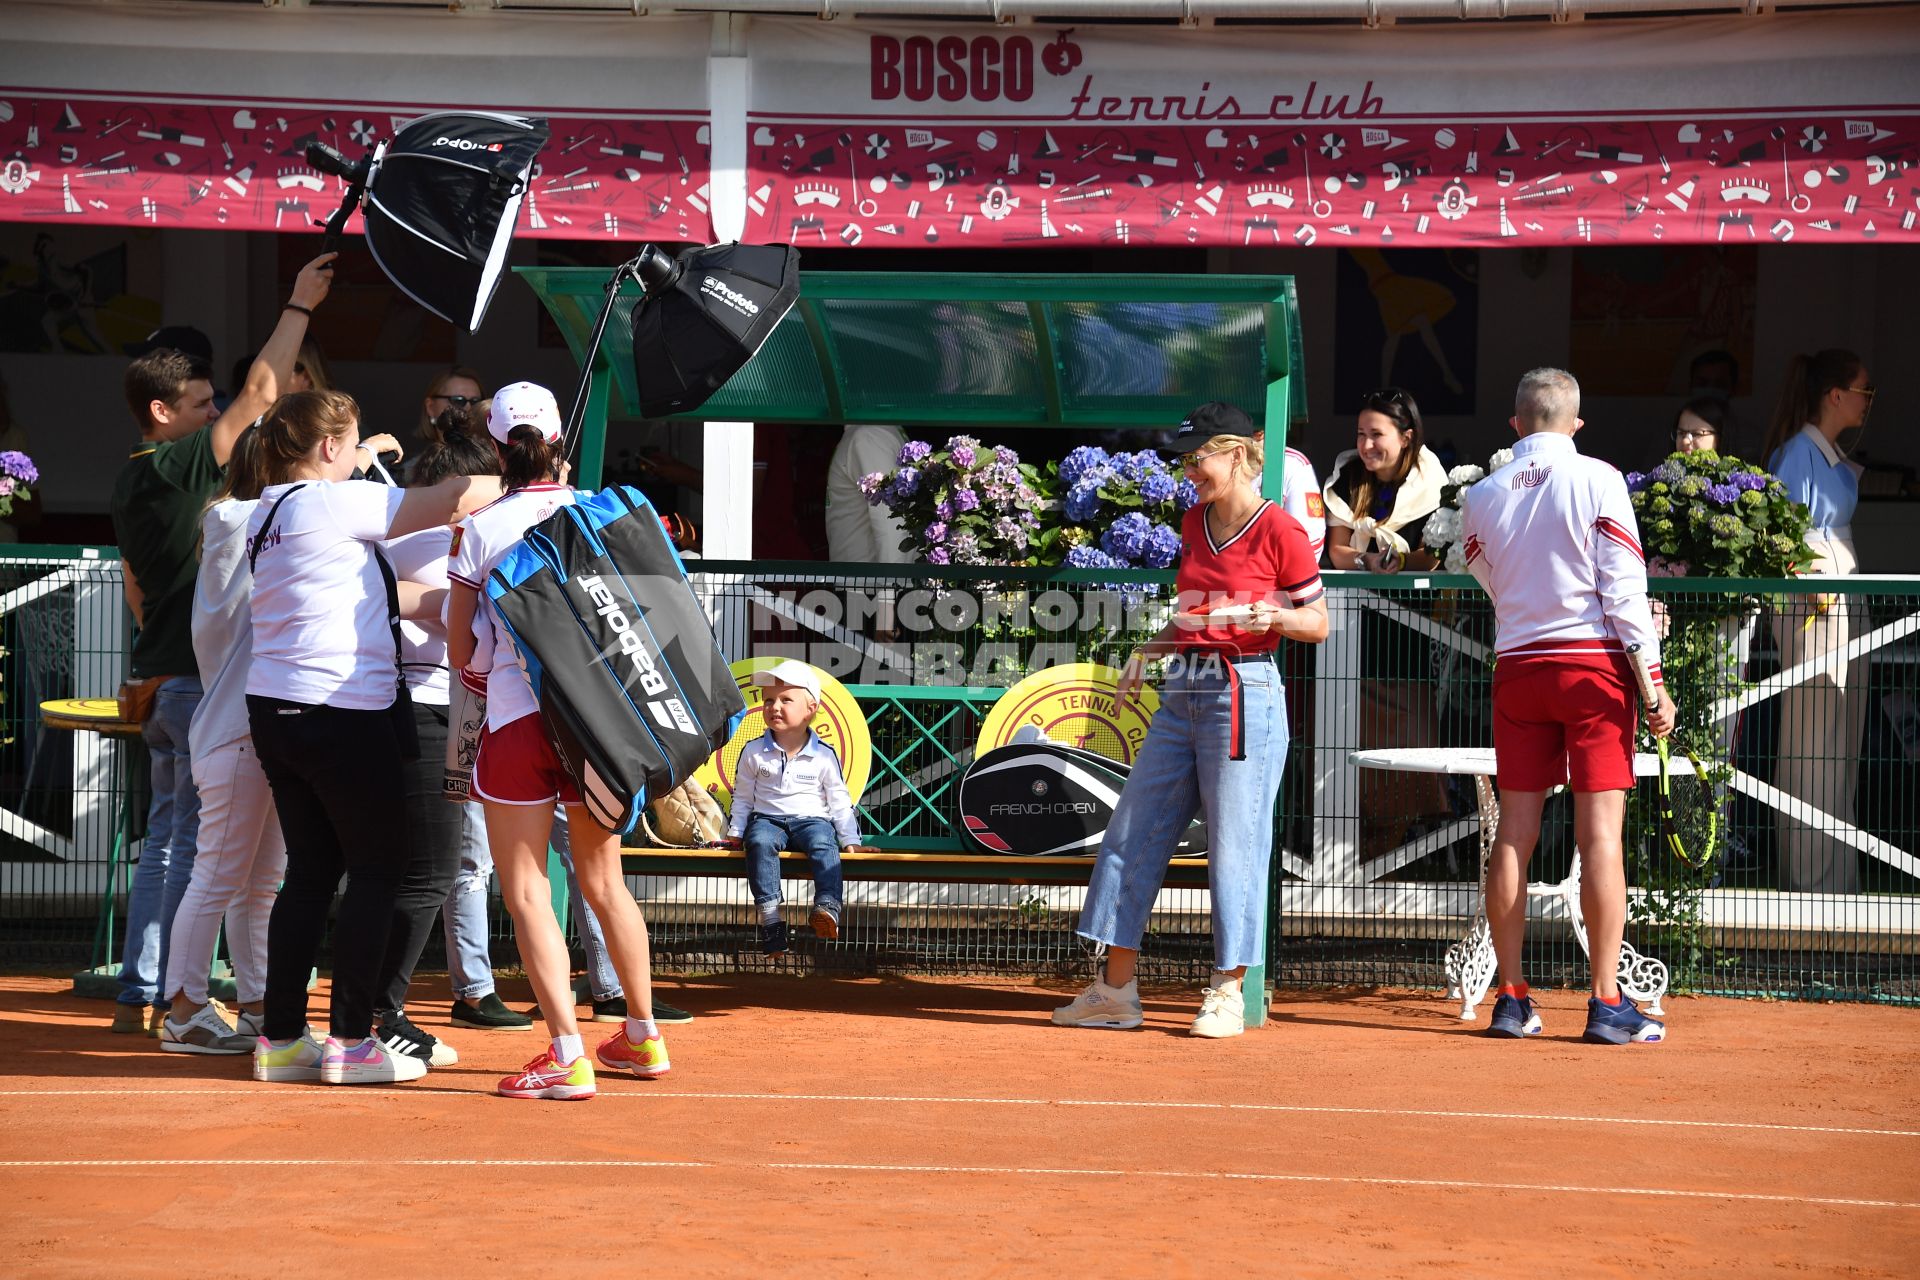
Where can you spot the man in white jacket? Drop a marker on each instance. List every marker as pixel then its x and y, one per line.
pixel 856 532
pixel 1552 538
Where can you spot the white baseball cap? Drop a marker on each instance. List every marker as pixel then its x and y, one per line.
pixel 523 404
pixel 787 671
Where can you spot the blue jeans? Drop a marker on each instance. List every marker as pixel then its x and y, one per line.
pixel 469 961
pixel 604 982
pixel 766 835
pixel 1183 768
pixel 166 858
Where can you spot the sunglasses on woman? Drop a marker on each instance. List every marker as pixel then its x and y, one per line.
pixel 460 402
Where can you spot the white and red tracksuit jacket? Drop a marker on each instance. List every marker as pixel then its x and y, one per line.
pixel 1552 538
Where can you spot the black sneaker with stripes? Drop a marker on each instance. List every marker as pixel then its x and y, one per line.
pixel 398 1035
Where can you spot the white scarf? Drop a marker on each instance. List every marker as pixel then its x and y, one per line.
pixel 1417 496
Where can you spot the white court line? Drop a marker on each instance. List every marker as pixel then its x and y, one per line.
pixel 647 1095
pixel 1443 1184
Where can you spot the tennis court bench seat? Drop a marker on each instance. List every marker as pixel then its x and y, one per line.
pixel 913 865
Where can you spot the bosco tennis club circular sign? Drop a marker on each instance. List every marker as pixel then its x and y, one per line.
pixel 839 723
pixel 1075 704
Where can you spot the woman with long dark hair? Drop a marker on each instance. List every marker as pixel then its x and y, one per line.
pixel 1821 718
pixel 325 707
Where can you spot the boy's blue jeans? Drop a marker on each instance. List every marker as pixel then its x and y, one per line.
pixel 165 868
pixel 766 835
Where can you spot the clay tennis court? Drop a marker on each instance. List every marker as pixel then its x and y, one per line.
pixel 942 1127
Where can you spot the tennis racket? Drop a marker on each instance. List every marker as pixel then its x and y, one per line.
pixel 1690 813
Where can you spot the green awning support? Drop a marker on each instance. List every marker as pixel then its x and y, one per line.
pixel 953 350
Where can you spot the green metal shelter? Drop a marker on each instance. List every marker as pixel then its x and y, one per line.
pixel 959 350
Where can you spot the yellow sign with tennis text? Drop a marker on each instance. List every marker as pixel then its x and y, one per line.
pixel 1076 704
pixel 839 723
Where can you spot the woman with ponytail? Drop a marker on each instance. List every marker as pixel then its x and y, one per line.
pixel 324 708
pixel 1821 717
pixel 519 778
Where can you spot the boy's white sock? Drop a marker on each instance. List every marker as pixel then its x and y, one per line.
pixel 567 1048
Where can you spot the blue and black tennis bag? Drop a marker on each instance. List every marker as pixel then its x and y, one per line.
pixel 632 688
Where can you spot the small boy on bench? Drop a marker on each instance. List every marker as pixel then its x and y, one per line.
pixel 789 793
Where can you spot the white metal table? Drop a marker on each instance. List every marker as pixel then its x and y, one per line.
pixel 1470 962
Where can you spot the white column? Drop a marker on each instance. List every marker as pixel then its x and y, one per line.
pixel 727 491
pixel 727 83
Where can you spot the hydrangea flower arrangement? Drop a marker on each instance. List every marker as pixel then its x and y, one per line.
pixel 963 504
pixel 17 476
pixel 1119 510
pixel 1710 514
pixel 1443 530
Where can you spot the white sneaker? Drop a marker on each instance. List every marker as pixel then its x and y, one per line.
pixel 252 1025
pixel 205 1032
pixel 1104 1007
pixel 1223 1010
pixel 367 1062
pixel 289 1064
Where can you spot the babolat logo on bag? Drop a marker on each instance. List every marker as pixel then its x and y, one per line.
pixel 668 712
pixel 465 144
pixel 738 301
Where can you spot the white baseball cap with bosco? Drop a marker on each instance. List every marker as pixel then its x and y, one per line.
pixel 524 404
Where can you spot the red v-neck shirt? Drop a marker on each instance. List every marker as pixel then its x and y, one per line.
pixel 1268 559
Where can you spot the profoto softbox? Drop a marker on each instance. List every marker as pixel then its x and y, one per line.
pixel 632 689
pixel 442 199
pixel 706 312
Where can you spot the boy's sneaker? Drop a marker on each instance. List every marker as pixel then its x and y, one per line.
pixel 1223 1010
pixel 825 920
pixel 398 1034
pixel 290 1063
pixel 205 1032
pixel 668 1016
pixel 488 1014
pixel 1515 1018
pixel 773 937
pixel 612 1010
pixel 1109 1008
pixel 648 1059
pixel 543 1078
pixel 367 1063
pixel 1621 1023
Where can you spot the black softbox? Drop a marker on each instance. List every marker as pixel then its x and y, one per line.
pixel 706 312
pixel 442 199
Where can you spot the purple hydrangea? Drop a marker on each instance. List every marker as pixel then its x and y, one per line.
pixel 1159 486
pixel 906 482
pixel 1083 501
pixel 966 549
pixel 936 532
pixel 1011 532
pixel 1005 456
pixel 1667 473
pixel 1636 481
pixel 871 483
pixel 1749 481
pixel 943 509
pixel 963 451
pixel 1185 495
pixel 1724 494
pixel 1126 538
pixel 1091 557
pixel 19 466
pixel 966 500
pixel 915 451
pixel 1085 462
pixel 1163 547
pixel 937 555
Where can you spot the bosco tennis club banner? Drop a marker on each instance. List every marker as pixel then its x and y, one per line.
pixel 1736 130
pixel 97 124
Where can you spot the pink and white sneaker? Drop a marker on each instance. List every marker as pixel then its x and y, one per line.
pixel 366 1062
pixel 647 1059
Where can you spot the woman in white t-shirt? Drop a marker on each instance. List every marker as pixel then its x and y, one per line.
pixel 518 776
pixel 321 703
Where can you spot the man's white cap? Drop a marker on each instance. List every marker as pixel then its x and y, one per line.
pixel 787 671
pixel 523 404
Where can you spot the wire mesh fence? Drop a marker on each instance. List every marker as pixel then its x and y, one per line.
pixel 1801 705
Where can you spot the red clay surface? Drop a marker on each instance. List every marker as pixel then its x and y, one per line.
pixel 856 1127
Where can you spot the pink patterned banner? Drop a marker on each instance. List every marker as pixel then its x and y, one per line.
pixel 1341 180
pixel 243 167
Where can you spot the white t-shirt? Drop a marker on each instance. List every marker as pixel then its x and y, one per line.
pixel 481 542
pixel 422 558
pixel 222 628
pixel 320 633
pixel 858 533
pixel 1300 498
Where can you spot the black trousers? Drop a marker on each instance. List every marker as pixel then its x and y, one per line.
pixel 435 828
pixel 338 781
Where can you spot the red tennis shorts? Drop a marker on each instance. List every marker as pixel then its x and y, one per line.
pixel 1558 720
pixel 517 765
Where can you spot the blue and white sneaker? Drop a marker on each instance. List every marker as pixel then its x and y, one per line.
pixel 1621 1023
pixel 1514 1017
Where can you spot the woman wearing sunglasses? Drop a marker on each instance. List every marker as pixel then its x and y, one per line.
pixel 1821 718
pixel 1219 739
pixel 452 397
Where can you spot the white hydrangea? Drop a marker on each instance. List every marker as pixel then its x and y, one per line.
pixel 1500 459
pixel 1443 527
pixel 1457 558
pixel 1466 473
